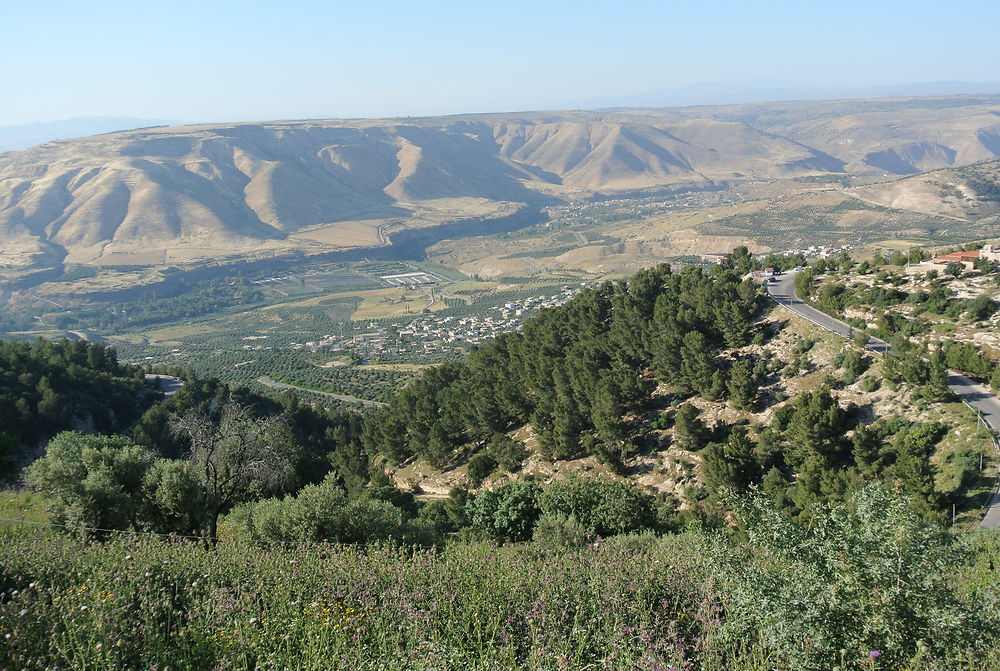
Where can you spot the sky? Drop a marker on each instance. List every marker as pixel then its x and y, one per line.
pixel 221 60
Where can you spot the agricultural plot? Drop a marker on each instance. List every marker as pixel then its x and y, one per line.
pixel 343 234
pixel 410 279
pixel 800 223
pixel 360 344
pixel 316 280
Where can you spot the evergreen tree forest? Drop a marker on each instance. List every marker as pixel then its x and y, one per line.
pixel 47 387
pixel 578 373
pixel 619 370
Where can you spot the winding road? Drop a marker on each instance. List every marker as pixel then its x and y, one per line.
pixel 973 394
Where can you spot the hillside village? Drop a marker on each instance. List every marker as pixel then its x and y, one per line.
pixel 432 333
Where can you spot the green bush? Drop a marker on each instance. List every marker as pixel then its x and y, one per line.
pixel 481 466
pixel 866 575
pixel 870 384
pixel 509 453
pixel 602 505
pixel 507 513
pixel 322 513
pixel 555 531
pixel 92 482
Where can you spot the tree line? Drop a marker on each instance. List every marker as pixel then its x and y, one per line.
pixel 47 387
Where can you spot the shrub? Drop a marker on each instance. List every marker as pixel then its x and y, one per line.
pixel 662 420
pixel 481 466
pixel 555 531
pixel 866 575
pixel 509 453
pixel 803 345
pixel 605 507
pixel 980 308
pixel 870 384
pixel 322 513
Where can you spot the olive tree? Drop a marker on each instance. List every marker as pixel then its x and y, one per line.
pixel 92 482
pixel 507 513
pixel 237 456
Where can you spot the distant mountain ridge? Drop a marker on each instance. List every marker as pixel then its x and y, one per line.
pixel 733 93
pixel 180 194
pixel 22 136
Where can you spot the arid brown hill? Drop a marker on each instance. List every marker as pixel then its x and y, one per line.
pixel 174 195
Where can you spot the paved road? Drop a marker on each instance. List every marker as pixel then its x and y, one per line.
pixel 783 292
pixel 973 393
pixel 268 382
pixel 170 385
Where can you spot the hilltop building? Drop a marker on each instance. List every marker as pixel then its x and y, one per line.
pixel 991 253
pixel 966 258
pixel 969 258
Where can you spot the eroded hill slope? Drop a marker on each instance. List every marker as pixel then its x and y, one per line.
pixel 176 195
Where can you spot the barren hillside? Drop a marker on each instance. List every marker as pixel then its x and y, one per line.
pixel 183 194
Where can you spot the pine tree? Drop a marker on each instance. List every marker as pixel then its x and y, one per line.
pixel 730 464
pixel 717 388
pixel 740 260
pixel 815 430
pixel 742 386
pixel 775 486
pixel 733 320
pixel 995 379
pixel 697 366
pixel 690 432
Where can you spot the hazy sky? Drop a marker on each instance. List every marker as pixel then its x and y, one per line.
pixel 216 60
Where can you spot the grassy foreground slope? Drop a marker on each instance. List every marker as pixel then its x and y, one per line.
pixel 867 587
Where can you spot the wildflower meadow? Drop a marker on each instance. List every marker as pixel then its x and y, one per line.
pixel 696 600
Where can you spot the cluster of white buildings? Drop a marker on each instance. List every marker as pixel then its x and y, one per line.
pixel 433 333
pixel 410 279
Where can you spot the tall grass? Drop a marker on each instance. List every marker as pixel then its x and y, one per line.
pixel 635 603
